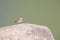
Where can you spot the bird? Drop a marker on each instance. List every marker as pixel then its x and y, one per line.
pixel 19 20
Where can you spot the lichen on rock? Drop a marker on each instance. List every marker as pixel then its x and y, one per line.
pixel 25 31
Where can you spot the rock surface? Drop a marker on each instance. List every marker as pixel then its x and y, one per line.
pixel 25 31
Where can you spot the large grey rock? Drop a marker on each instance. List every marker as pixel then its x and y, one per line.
pixel 25 31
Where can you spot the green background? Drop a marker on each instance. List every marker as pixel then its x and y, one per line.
pixel 42 12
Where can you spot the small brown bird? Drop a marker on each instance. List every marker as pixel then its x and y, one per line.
pixel 19 20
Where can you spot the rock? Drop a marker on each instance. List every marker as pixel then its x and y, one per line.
pixel 25 31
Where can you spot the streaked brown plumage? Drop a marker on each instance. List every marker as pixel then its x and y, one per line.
pixel 19 20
